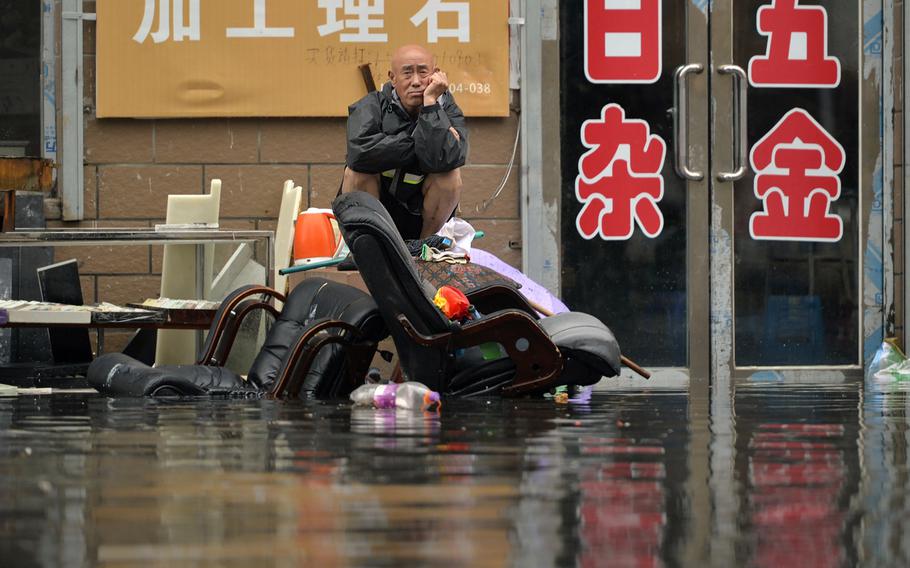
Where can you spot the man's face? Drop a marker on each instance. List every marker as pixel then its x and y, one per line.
pixel 410 76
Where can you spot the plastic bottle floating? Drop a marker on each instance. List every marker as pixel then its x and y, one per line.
pixel 409 396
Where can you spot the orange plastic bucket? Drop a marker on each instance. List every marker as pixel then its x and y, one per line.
pixel 315 236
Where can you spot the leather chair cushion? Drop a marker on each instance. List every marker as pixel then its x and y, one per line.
pixel 583 338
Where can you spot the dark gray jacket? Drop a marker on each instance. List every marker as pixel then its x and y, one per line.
pixel 382 136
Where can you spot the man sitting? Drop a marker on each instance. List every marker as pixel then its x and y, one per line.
pixel 406 144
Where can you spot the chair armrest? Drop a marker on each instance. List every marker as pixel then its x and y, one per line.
pixel 229 316
pixel 496 297
pixel 537 359
pixel 221 346
pixel 302 354
pixel 436 340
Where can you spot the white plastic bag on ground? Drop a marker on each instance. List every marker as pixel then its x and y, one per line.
pixel 889 363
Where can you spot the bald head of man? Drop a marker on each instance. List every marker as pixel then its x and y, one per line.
pixel 415 77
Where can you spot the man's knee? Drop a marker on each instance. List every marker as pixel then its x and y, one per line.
pixel 448 182
pixel 358 181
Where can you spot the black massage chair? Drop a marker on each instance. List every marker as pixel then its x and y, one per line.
pixel 537 353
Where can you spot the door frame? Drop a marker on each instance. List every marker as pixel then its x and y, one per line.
pixel 698 251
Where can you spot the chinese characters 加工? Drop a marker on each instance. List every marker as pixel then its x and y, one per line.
pixel 191 30
pixel 354 21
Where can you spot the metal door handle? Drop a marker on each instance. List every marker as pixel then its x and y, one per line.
pixel 740 131
pixel 680 122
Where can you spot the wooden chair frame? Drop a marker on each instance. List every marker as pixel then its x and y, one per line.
pixel 319 335
pixel 538 362
pixel 224 330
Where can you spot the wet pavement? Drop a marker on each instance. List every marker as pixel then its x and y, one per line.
pixel 808 476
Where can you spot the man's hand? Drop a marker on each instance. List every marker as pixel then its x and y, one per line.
pixel 439 83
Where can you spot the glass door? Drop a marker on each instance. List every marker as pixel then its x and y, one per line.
pixel 719 181
pixel 635 187
pixel 791 186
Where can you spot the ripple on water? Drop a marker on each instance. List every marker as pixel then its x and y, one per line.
pixel 818 473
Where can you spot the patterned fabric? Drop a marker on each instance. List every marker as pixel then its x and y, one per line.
pixel 462 276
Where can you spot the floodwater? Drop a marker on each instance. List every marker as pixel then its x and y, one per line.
pixel 808 476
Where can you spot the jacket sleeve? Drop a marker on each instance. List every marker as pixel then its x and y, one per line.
pixel 436 147
pixel 369 149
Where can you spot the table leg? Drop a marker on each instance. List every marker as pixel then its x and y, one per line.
pixel 201 292
pixel 270 263
pixel 9 211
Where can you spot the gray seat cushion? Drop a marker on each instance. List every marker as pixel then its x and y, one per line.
pixel 583 338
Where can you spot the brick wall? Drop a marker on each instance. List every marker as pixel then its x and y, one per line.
pixel 132 165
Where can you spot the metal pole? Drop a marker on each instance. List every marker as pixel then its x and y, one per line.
pixel 70 178
pixel 905 157
pixel 888 161
pixel 539 223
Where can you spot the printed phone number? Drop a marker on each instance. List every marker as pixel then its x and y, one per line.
pixel 472 88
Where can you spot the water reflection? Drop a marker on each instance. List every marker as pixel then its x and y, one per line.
pixel 819 474
pixel 799 460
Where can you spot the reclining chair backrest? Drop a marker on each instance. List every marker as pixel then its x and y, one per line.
pixel 389 273
pixel 314 299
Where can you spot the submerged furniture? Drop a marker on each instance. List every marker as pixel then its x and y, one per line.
pixel 567 348
pixel 321 344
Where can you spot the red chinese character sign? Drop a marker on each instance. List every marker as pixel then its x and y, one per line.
pixel 796 168
pixel 622 41
pixel 619 181
pixel 797 52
